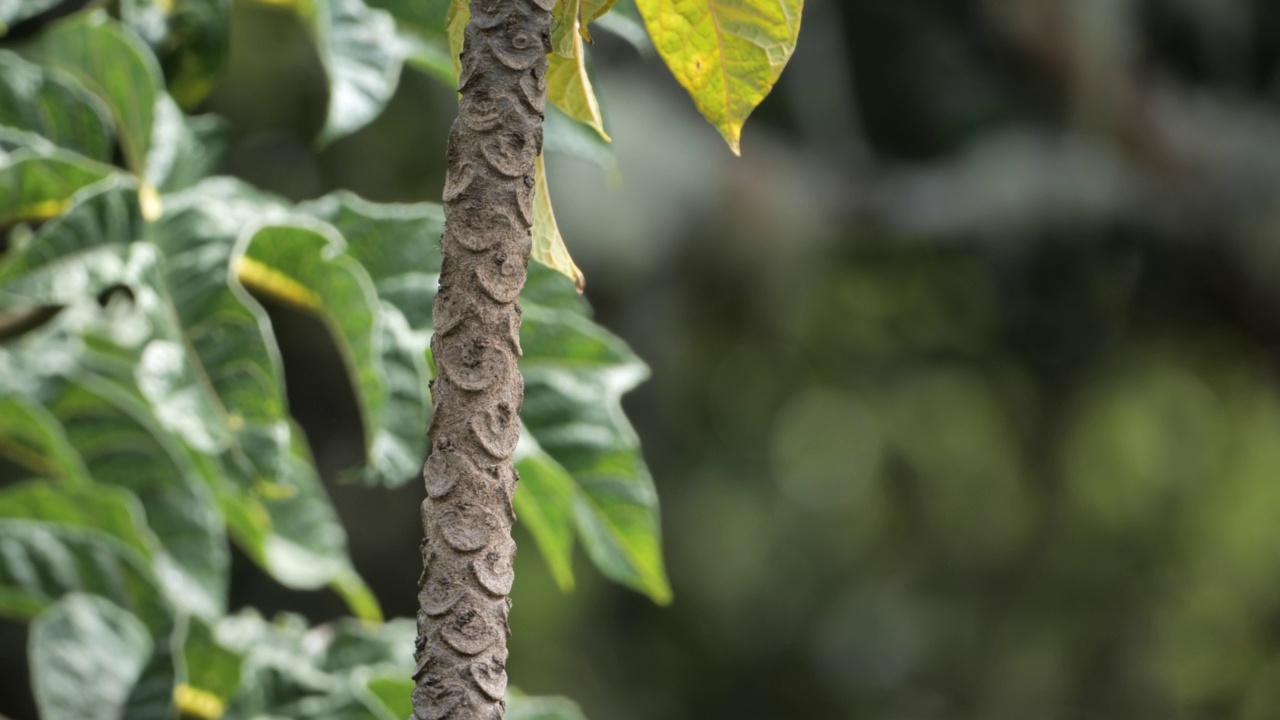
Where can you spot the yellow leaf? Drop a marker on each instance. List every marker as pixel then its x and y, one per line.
pixel 593 10
pixel 727 53
pixel 569 88
pixel 548 247
pixel 564 26
pixel 455 23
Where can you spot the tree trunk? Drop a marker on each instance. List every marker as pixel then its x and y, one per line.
pixel 467 553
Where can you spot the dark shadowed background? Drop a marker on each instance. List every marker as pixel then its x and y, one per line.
pixel 965 397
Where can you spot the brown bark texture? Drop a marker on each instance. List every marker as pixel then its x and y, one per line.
pixel 467 552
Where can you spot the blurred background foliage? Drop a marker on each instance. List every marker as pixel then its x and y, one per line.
pixel 964 399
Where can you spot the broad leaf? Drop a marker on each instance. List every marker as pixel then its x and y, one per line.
pixel 54 105
pixel 569 88
pixel 392 243
pixel 726 53
pixel 544 504
pixel 32 437
pixel 86 655
pixel 362 55
pixel 81 366
pixel 81 252
pixel 277 510
pixel 114 64
pixel 58 540
pixel 38 186
pixel 575 375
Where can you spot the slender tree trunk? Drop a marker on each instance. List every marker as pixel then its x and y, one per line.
pixel 467 554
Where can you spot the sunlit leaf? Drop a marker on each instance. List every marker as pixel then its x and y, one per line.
pixel 727 53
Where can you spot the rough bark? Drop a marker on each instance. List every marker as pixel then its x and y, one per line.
pixel 467 553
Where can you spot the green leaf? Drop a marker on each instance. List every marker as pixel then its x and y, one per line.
pixel 38 186
pixel 275 505
pixel 115 65
pixel 211 673
pixel 388 241
pixel 184 149
pixel 57 540
pixel 292 671
pixel 727 53
pixel 54 105
pixel 544 504
pixel 82 252
pixel 86 654
pixel 32 437
pixel 84 373
pixel 564 28
pixel 362 55
pixel 575 375
pixel 308 267
pixel 189 37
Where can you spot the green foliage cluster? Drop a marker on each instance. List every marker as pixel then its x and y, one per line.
pixel 142 392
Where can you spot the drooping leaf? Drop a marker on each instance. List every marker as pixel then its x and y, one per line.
pixel 392 243
pixel 544 504
pixel 114 64
pixel 575 375
pixel 569 88
pixel 86 654
pixel 54 105
pixel 455 25
pixel 548 246
pixel 564 27
pixel 309 266
pixel 362 55
pixel 57 540
pixel 278 511
pixel 727 53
